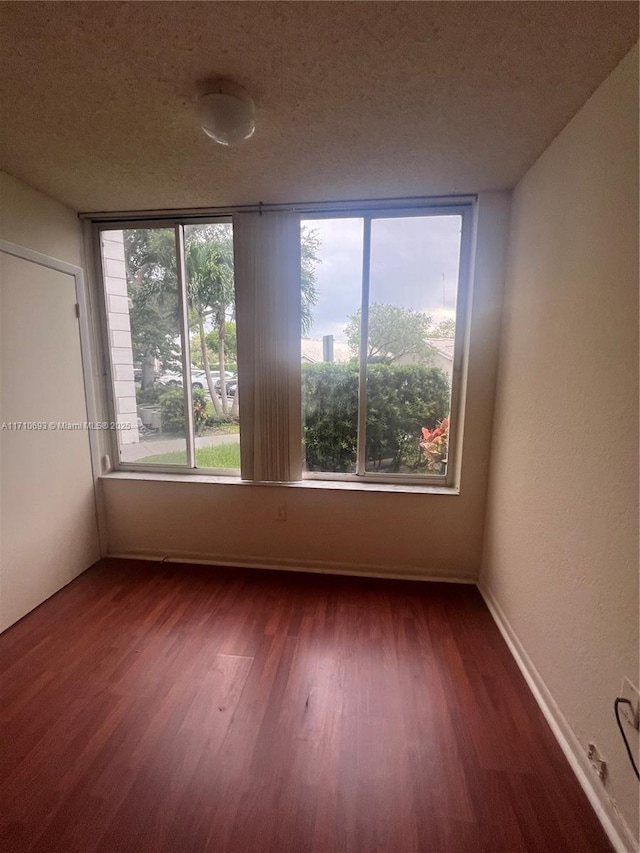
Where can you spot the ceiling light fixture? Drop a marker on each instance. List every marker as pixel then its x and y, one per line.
pixel 226 113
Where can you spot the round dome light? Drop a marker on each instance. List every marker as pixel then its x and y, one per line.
pixel 226 113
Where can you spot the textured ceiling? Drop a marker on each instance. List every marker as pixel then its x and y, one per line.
pixel 354 99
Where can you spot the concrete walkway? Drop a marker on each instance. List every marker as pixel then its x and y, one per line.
pixel 154 445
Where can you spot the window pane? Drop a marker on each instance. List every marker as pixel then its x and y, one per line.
pixel 212 313
pixel 142 303
pixel 412 304
pixel 331 292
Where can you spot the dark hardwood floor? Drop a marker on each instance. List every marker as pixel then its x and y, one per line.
pixel 156 707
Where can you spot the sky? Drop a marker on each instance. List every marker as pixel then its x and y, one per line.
pixel 414 263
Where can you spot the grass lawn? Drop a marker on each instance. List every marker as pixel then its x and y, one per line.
pixel 222 456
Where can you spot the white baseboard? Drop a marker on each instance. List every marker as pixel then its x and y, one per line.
pixel 288 565
pixel 612 821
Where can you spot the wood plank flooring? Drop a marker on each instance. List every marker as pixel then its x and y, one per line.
pixel 154 707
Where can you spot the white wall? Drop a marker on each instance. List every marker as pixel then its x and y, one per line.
pixel 34 220
pixel 415 534
pixel 48 529
pixel 561 544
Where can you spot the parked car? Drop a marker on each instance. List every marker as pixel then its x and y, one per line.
pixel 198 379
pixel 231 385
pixel 170 379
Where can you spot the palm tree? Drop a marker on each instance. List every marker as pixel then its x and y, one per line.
pixel 153 284
pixel 210 295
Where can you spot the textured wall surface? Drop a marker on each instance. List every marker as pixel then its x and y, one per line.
pixel 38 222
pixel 354 100
pixel 561 541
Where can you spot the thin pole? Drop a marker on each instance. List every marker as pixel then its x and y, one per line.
pixel 364 346
pixel 186 348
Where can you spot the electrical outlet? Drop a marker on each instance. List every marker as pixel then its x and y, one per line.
pixel 597 762
pixel 281 513
pixel 630 713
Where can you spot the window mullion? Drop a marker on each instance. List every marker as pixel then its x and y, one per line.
pixel 185 346
pixel 364 346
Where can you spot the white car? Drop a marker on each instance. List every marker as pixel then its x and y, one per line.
pixel 198 378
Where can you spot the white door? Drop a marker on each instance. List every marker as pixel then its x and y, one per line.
pixel 48 529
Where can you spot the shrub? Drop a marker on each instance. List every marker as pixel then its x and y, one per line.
pixel 172 411
pixel 330 406
pixel 151 396
pixel 199 402
pixel 401 400
pixel 214 420
pixel 435 446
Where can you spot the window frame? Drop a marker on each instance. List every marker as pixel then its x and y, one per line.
pixel 466 213
pixel 177 224
pixel 368 210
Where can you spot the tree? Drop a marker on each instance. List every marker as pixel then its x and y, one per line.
pixel 213 339
pixel 444 329
pixel 153 303
pixel 394 333
pixel 153 290
pixel 309 246
pixel 211 295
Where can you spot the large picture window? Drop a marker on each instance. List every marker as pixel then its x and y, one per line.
pixel 170 310
pixel 378 361
pixel 278 345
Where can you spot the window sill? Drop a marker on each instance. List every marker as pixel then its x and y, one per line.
pixel 341 485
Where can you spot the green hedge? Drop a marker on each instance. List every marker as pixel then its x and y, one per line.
pixel 172 411
pixel 400 401
pixel 151 396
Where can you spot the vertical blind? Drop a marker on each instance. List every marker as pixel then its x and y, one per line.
pixel 267 276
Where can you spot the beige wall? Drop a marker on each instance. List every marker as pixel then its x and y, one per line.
pixel 48 530
pixel 561 545
pixel 416 534
pixel 34 220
